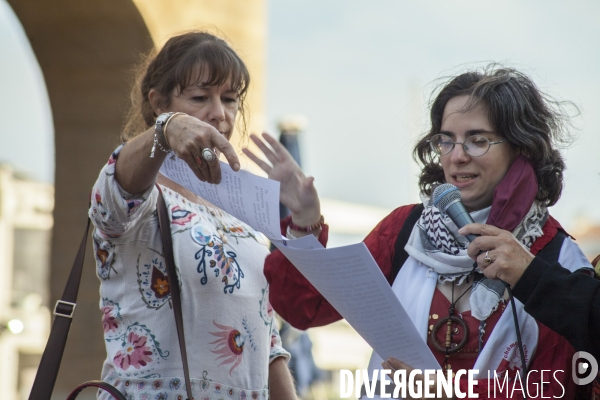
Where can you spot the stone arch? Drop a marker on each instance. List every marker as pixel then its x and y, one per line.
pixel 86 50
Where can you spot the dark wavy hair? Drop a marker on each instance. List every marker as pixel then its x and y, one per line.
pixel 533 122
pixel 181 61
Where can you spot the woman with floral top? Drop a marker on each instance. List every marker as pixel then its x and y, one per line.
pixel 187 101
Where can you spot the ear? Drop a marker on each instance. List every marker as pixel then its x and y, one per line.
pixel 155 100
pixel 522 151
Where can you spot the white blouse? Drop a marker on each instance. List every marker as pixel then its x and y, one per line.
pixel 231 335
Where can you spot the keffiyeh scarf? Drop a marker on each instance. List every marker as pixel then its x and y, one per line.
pixel 435 242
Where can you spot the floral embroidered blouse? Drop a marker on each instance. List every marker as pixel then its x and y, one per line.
pixel 231 335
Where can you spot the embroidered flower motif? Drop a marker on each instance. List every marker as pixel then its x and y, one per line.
pixel 229 345
pixel 160 283
pixel 175 384
pixel 102 255
pixel 224 262
pixel 110 316
pixel 99 207
pixel 162 396
pixel 153 283
pixel 110 166
pixel 266 309
pixel 138 353
pixel 133 205
pixel 205 382
pixel 243 395
pixel 233 227
pixel 114 156
pixel 157 384
pixel 213 256
pixel 181 216
pixel 161 287
pixel 105 257
pixel 134 354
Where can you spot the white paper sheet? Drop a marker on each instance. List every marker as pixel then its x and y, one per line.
pixel 347 277
pixel 248 197
pixel 351 281
pixel 308 242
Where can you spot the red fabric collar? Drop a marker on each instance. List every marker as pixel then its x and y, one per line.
pixel 550 228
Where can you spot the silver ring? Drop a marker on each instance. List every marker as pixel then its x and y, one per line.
pixel 209 155
pixel 487 257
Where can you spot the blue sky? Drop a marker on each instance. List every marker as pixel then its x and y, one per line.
pixel 361 73
pixel 27 133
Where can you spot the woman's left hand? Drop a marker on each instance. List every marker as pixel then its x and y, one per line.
pixel 507 257
pixel 298 193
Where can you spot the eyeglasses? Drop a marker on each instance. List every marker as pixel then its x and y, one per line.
pixel 475 146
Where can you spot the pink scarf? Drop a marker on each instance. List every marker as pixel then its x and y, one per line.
pixel 514 195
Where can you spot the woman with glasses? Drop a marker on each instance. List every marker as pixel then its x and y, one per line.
pixel 493 135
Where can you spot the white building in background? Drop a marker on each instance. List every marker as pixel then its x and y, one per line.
pixel 25 233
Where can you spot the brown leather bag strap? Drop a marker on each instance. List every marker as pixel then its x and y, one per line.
pixel 165 232
pixel 63 311
pixel 47 372
pixel 100 386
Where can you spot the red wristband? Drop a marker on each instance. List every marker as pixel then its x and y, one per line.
pixel 309 228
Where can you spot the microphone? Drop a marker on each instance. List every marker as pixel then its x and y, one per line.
pixel 447 198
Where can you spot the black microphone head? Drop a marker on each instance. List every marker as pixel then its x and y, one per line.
pixel 445 195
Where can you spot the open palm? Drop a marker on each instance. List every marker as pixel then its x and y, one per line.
pixel 298 192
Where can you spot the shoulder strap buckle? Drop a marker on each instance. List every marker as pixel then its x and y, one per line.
pixel 64 309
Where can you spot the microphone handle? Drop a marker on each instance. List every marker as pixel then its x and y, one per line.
pixel 460 216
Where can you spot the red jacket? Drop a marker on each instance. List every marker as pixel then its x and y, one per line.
pixel 298 302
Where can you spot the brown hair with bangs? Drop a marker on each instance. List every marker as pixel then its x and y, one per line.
pixel 179 64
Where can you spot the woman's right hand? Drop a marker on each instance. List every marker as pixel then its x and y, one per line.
pixel 188 137
pixel 298 192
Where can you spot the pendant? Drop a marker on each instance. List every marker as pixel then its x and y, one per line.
pixel 448 321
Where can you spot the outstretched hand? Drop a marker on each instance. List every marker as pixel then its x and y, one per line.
pixel 298 192
pixel 189 137
pixel 507 258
